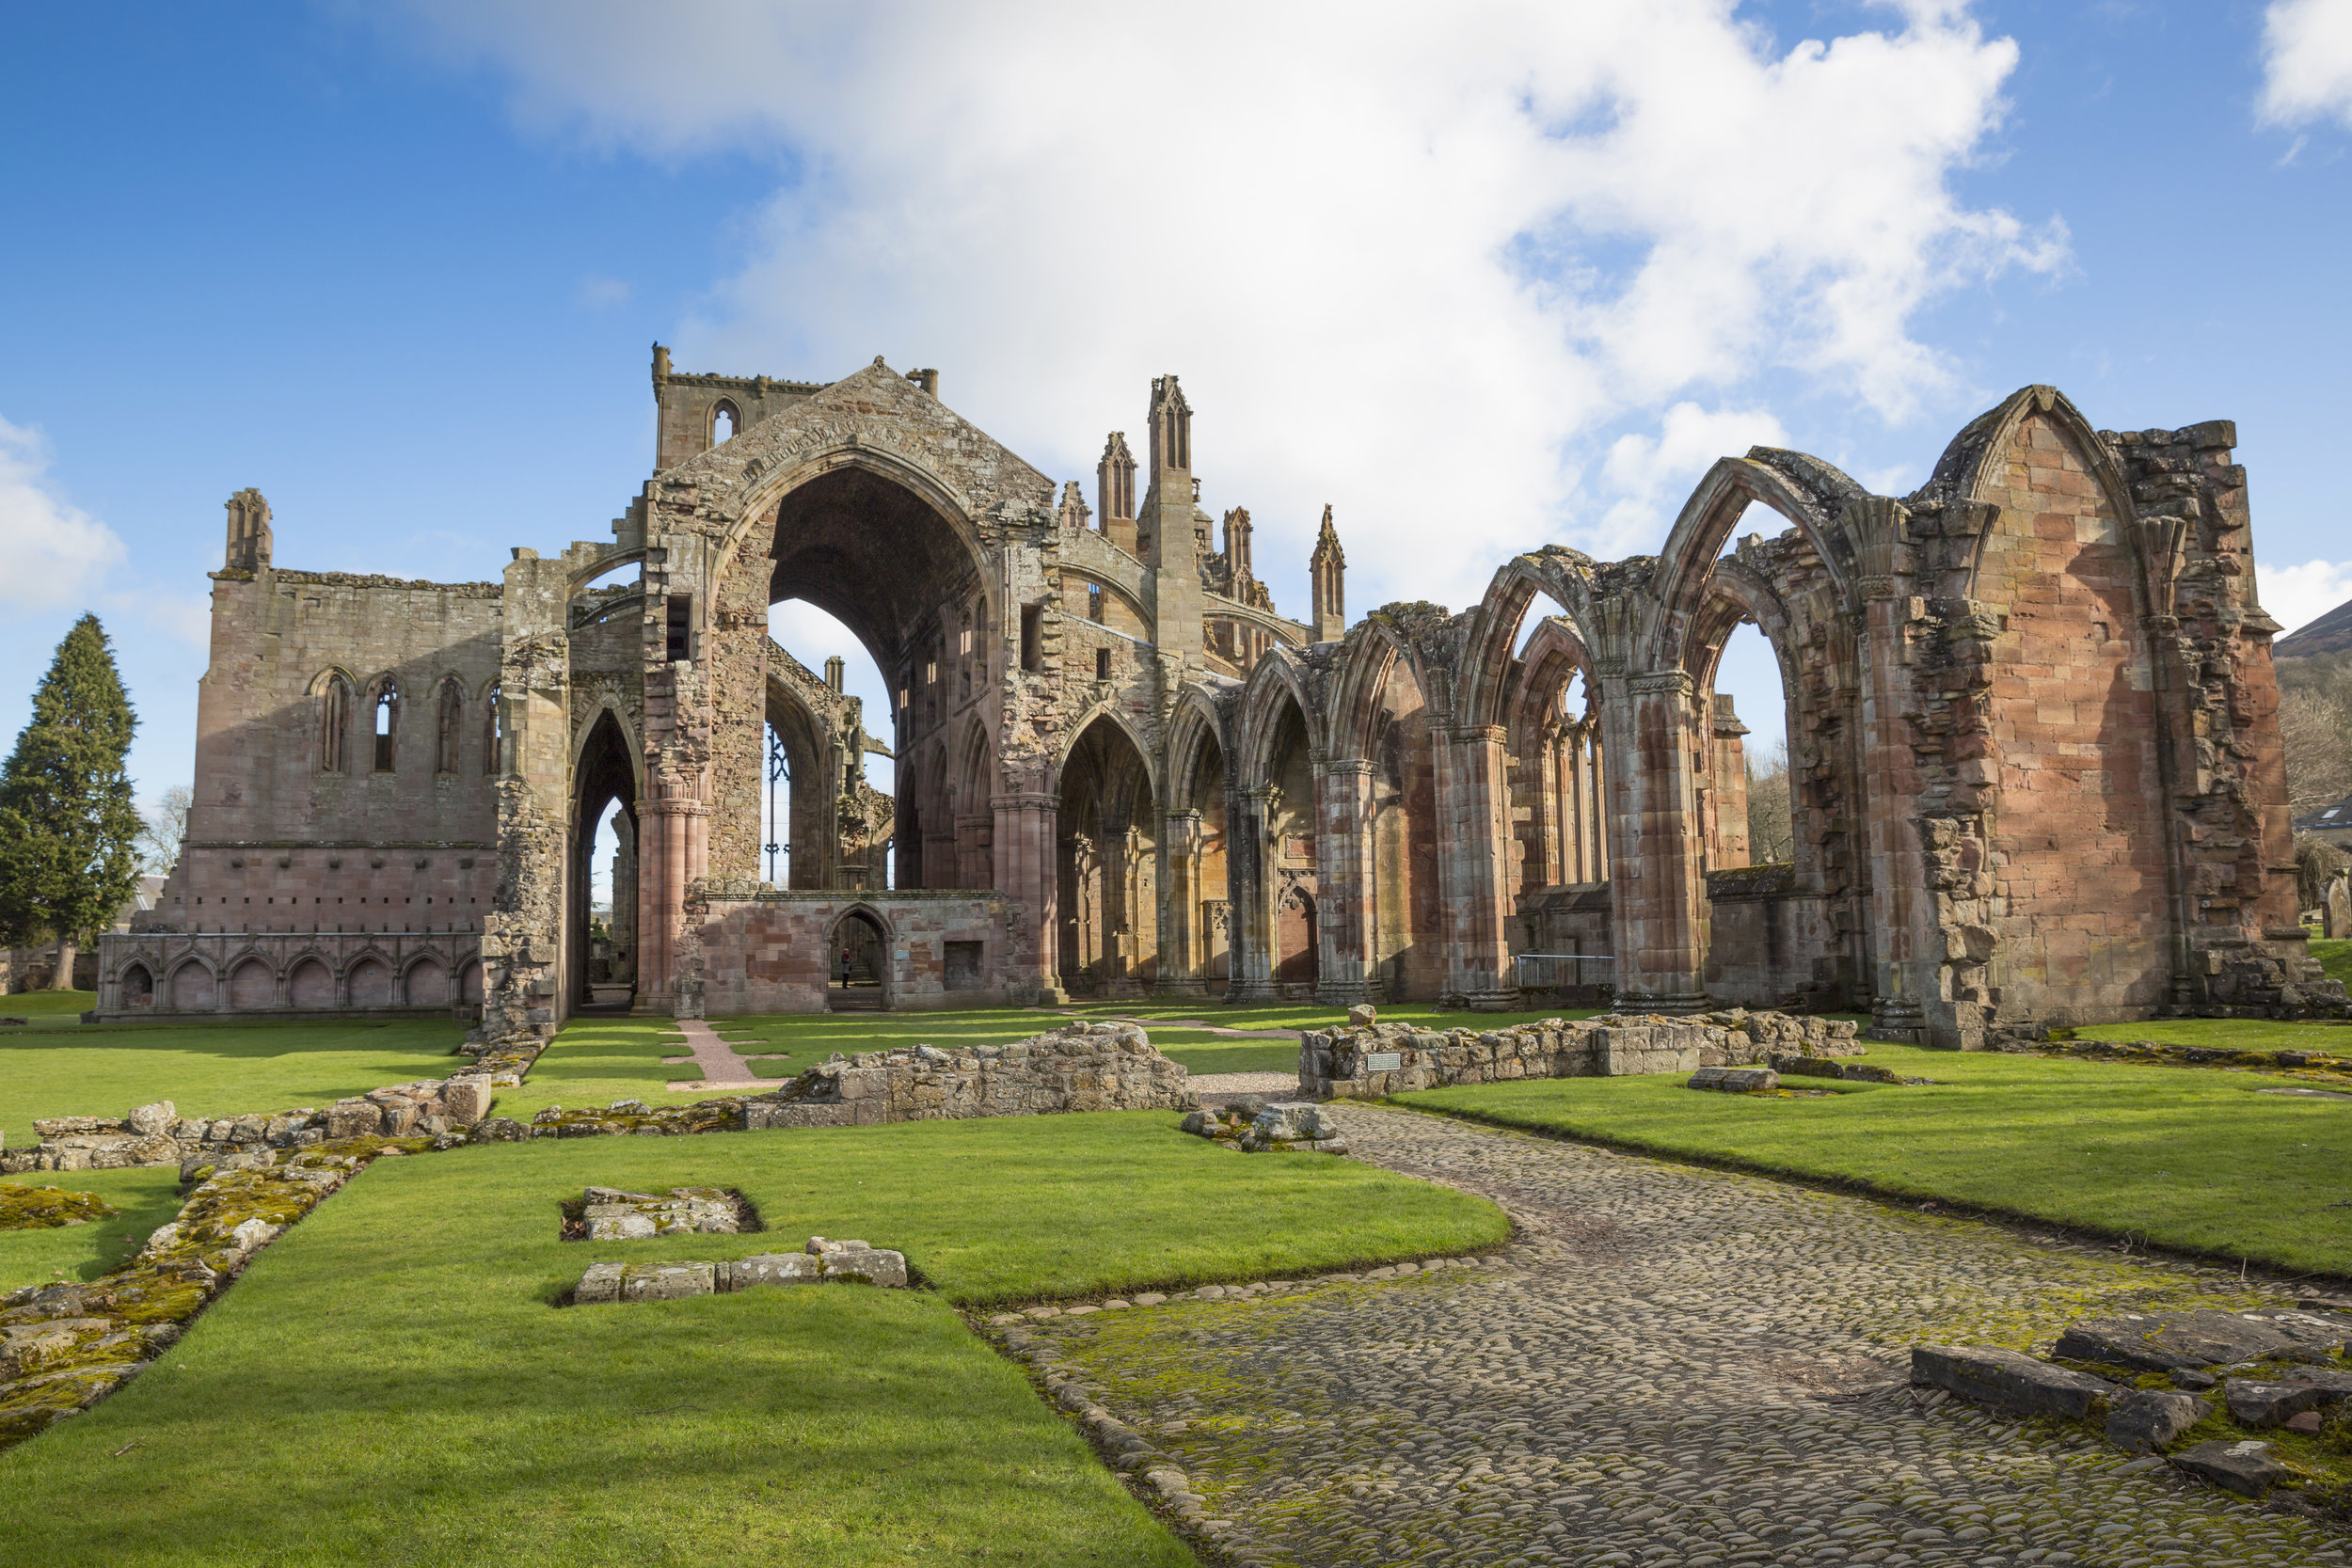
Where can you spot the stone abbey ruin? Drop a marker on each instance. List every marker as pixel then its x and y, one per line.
pixel 2033 747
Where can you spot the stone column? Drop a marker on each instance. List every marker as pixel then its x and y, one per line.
pixel 676 836
pixel 1909 949
pixel 1027 874
pixel 1184 951
pixel 1249 861
pixel 1474 865
pixel 1344 883
pixel 1659 891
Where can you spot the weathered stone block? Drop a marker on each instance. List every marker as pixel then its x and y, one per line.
pixel 601 1283
pixel 2258 1404
pixel 2142 1420
pixel 2248 1468
pixel 1734 1080
pixel 770 1268
pixel 2008 1379
pixel 668 1281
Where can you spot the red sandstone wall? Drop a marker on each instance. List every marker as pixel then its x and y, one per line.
pixel 2079 829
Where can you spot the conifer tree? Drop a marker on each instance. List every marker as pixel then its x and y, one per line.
pixel 69 832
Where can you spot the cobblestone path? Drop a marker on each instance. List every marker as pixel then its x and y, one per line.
pixel 1672 1367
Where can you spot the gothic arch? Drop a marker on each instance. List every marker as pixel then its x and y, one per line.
pixel 1723 494
pixel 1275 687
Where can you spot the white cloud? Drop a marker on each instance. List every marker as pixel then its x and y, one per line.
pixel 2307 62
pixel 1652 475
pixel 56 552
pixel 1419 262
pixel 2295 596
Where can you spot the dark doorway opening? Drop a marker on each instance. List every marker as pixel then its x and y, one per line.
pixel 858 965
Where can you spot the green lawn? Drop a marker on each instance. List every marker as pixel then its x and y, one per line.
pixel 209 1070
pixel 1200 1052
pixel 2189 1158
pixel 48 1009
pixel 2335 957
pixel 595 1061
pixel 2251 1034
pixel 146 1198
pixel 389 1382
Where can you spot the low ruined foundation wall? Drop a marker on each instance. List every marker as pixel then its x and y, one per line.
pixel 1769 944
pixel 770 952
pixel 157 1135
pixel 1087 1067
pixel 1390 1058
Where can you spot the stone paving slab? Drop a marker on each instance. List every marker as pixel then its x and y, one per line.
pixel 721 1068
pixel 1282 1085
pixel 1672 1368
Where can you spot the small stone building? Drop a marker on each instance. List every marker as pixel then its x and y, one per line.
pixel 2033 741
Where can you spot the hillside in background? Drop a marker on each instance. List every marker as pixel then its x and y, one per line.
pixel 2318 656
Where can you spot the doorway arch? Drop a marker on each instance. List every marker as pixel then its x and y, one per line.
pixel 1107 856
pixel 857 963
pixel 604 775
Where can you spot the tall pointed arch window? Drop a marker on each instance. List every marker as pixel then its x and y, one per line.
pixel 450 726
pixel 386 726
pixel 494 734
pixel 725 422
pixel 335 725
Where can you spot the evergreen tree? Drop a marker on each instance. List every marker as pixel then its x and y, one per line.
pixel 69 832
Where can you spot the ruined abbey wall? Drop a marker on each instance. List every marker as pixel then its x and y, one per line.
pixel 2034 764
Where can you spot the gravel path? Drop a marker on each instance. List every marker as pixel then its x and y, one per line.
pixel 1672 1368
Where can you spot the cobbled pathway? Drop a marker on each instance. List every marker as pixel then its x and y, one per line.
pixel 1671 1366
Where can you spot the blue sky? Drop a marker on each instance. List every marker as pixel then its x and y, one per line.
pixel 1517 283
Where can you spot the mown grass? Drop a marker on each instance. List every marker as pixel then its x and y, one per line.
pixel 389 1383
pixel 48 1009
pixel 2195 1160
pixel 209 1070
pixel 595 1061
pixel 2335 957
pixel 146 1198
pixel 1200 1051
pixel 2250 1034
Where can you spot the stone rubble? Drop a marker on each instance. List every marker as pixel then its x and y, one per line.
pixel 1274 1127
pixel 1372 1060
pixel 157 1135
pixel 1080 1067
pixel 823 1261
pixel 611 1214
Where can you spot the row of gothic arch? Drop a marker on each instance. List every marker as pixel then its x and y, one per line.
pixel 336 696
pixel 312 981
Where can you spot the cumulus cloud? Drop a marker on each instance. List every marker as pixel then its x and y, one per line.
pixel 1424 263
pixel 56 552
pixel 2296 596
pixel 2307 62
pixel 1650 475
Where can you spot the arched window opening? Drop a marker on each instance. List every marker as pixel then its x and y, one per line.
pixel 1095 603
pixel 335 725
pixel 387 727
pixel 494 734
pixel 451 727
pixel 725 422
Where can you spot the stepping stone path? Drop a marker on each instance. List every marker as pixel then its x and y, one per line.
pixel 1672 1368
pixel 721 1068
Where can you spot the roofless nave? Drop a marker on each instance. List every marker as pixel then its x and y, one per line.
pixel 2030 709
